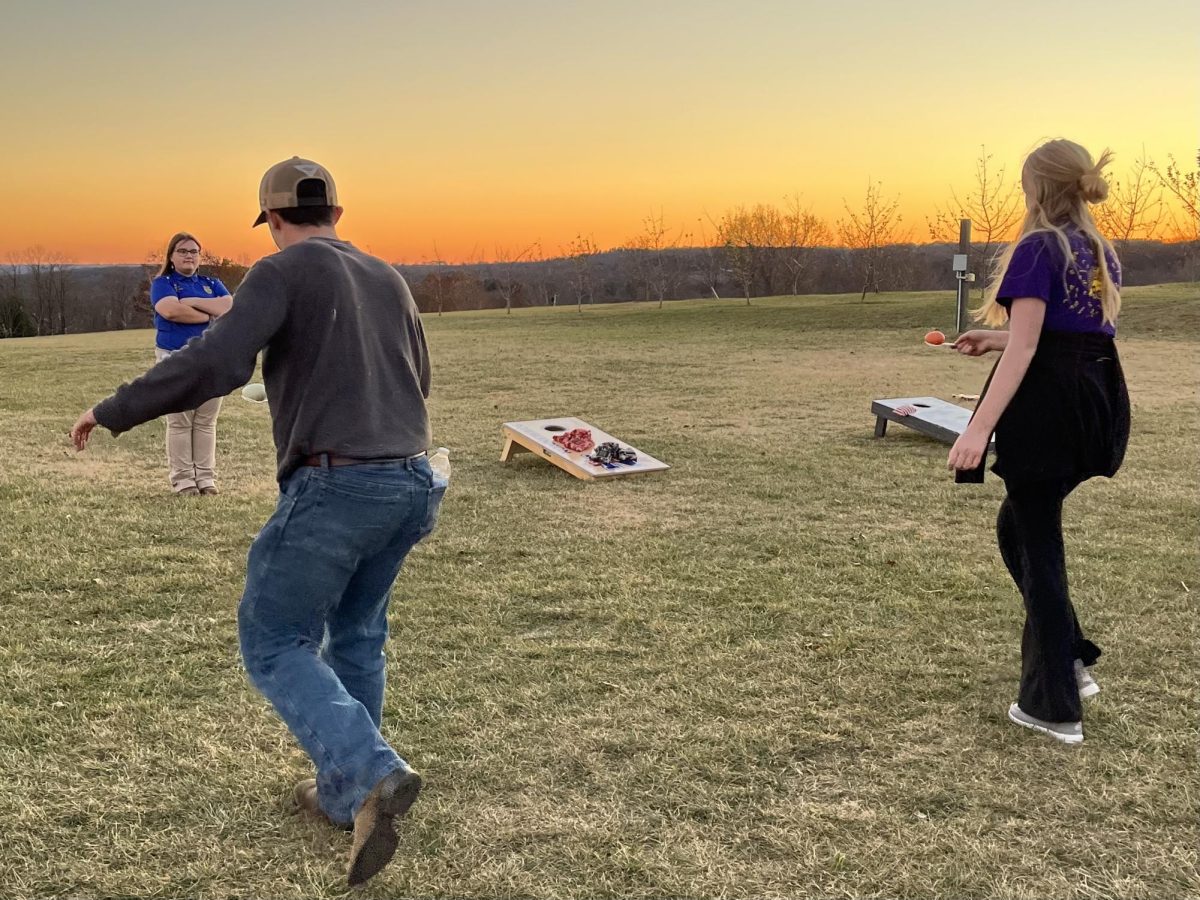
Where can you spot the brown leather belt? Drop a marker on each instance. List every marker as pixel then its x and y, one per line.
pixel 318 459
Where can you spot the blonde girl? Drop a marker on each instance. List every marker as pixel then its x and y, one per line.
pixel 1059 408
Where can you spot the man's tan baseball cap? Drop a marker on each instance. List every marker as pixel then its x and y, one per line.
pixel 280 187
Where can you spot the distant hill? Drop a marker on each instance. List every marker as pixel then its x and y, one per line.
pixel 60 298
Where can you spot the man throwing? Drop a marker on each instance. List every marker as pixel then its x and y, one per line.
pixel 346 369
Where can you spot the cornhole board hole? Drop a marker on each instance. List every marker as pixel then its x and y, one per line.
pixel 934 418
pixel 537 436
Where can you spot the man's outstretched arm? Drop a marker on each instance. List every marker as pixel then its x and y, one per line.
pixel 210 366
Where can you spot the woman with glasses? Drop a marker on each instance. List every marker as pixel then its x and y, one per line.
pixel 185 303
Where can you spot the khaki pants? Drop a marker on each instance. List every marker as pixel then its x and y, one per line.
pixel 192 442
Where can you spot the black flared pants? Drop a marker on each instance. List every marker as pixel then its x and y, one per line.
pixel 1029 529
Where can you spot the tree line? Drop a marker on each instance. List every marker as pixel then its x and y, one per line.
pixel 1152 215
pixel 42 292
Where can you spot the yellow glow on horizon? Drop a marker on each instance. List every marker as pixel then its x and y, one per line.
pixel 474 130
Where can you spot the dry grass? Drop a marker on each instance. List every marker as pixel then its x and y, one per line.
pixel 778 670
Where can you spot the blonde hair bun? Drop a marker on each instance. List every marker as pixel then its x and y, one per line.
pixel 1093 187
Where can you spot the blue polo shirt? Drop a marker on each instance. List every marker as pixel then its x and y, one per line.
pixel 173 335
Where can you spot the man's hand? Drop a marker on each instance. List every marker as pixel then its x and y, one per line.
pixel 82 429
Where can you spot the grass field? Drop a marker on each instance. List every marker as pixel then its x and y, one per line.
pixel 778 670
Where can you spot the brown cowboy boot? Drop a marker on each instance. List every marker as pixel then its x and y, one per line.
pixel 375 837
pixel 306 798
pixel 309 802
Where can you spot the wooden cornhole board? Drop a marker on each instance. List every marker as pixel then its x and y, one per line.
pixel 537 436
pixel 935 418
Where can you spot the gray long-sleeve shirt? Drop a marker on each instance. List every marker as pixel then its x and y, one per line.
pixel 345 362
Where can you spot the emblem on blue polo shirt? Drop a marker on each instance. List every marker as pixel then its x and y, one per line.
pixel 208 289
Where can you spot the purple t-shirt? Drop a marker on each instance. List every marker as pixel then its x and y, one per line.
pixel 1072 298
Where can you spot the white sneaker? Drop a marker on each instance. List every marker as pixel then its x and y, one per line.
pixel 1087 684
pixel 1067 732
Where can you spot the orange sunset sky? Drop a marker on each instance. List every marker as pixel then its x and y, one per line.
pixel 478 126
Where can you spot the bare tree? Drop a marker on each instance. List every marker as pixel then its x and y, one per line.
pixel 228 271
pixel 708 274
pixel 1134 209
pixel 434 282
pixel 651 253
pixel 437 286
pixel 735 233
pixel 639 266
pixel 35 271
pixel 460 288
pixel 656 244
pixel 10 277
pixel 750 237
pixel 674 265
pixel 802 232
pixel 540 280
pixel 1183 189
pixel 120 296
pixel 581 250
pixel 994 205
pixel 504 272
pixel 52 294
pixel 14 318
pixel 866 231
pixel 10 273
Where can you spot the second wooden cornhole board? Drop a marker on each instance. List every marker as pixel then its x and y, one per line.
pixel 934 418
pixel 537 436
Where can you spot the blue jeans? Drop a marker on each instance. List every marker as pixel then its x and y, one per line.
pixel 313 619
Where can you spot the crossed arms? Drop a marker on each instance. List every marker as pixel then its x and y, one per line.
pixel 192 310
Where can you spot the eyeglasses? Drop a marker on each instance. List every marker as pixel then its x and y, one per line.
pixel 183 252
